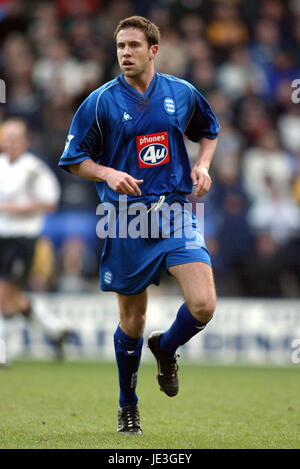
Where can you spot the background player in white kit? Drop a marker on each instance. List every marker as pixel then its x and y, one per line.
pixel 28 189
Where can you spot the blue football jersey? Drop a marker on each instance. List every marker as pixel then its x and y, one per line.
pixel 142 135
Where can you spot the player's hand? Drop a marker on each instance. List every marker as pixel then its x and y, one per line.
pixel 123 183
pixel 201 180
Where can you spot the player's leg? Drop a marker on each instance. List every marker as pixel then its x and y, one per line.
pixel 12 300
pixel 132 310
pixel 197 284
pixel 16 260
pixel 128 341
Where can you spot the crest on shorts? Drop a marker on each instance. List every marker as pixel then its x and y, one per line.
pixel 108 277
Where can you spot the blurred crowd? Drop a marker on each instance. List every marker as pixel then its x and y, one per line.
pixel 244 56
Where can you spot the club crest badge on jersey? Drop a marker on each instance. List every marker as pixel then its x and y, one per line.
pixel 169 106
pixel 153 149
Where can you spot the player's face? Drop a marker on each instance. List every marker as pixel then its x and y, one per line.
pixel 134 54
pixel 13 139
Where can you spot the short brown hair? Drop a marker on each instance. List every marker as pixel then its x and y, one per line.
pixel 17 120
pixel 150 29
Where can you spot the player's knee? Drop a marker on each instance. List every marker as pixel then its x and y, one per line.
pixel 133 321
pixel 139 320
pixel 203 309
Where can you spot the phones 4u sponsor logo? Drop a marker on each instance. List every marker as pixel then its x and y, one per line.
pixel 153 149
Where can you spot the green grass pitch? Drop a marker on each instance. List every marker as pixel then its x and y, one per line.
pixel 74 405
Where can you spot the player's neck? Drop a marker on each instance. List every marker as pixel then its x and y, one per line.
pixel 12 157
pixel 141 82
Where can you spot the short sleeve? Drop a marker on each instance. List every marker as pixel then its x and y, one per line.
pixel 45 186
pixel 85 138
pixel 203 122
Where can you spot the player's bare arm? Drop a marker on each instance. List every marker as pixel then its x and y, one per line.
pixel 13 208
pixel 199 173
pixel 118 181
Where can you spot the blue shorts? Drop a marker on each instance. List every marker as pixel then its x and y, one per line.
pixel 129 265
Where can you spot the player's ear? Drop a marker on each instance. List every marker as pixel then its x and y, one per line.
pixel 153 51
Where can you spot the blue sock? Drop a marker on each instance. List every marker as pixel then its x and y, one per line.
pixel 128 355
pixel 181 331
